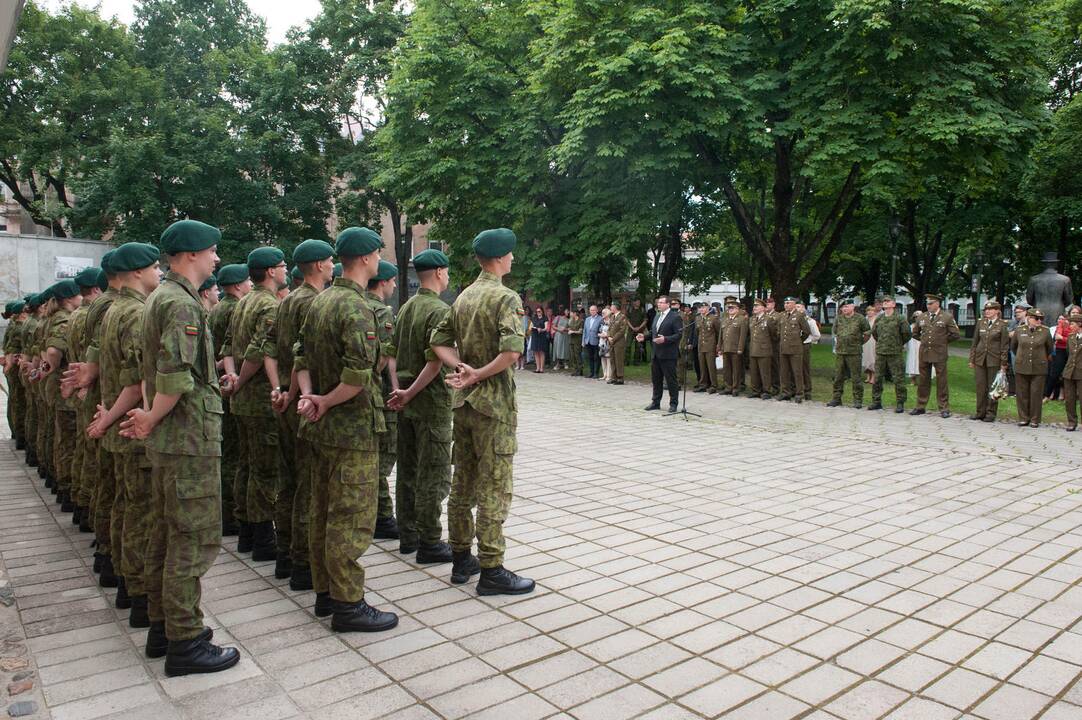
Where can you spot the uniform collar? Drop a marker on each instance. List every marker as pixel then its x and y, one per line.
pixel 132 293
pixel 426 291
pixel 347 283
pixel 263 289
pixel 183 282
pixel 308 285
pixel 486 276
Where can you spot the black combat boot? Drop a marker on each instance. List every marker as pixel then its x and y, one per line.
pixel 31 458
pixel 20 444
pixel 264 545
pixel 283 566
pixel 44 475
pixel 108 577
pixel 361 617
pixel 66 503
pixel 434 554
pixel 386 529
pixel 98 558
pixel 406 548
pixel 230 528
pixel 501 581
pixel 900 409
pixel 301 577
pixel 324 605
pixel 138 617
pixel 76 515
pixel 158 645
pixel 244 537
pixel 84 522
pixel 465 566
pixel 186 657
pixel 876 405
pixel 123 600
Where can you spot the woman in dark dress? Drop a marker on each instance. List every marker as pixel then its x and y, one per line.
pixel 539 338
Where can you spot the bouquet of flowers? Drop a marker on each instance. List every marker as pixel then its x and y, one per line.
pixel 998 390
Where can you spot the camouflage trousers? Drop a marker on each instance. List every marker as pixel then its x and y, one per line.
pixel 424 478
pixel 484 452
pixel 229 466
pixel 64 448
pixel 89 471
pixel 184 539
pixel 16 405
pixel 78 460
pixel 295 492
pixel 134 478
pixel 762 375
pixel 574 360
pixel 847 368
pixel 264 466
pixel 388 456
pixel 240 465
pixel 345 489
pixel 892 366
pixel 45 433
pixel 30 418
pixel 105 498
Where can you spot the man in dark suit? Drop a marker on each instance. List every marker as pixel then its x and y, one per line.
pixel 665 331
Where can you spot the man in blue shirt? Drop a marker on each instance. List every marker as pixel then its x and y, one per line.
pixel 590 340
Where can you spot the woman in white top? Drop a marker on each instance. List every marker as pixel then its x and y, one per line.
pixel 867 351
pixel 603 348
pixel 912 351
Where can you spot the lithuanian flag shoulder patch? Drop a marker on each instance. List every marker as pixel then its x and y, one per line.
pixel 369 335
pixel 191 330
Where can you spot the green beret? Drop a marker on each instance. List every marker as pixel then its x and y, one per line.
pixel 46 295
pixel 386 271
pixel 232 274
pixel 849 301
pixel 88 277
pixel 265 257
pixel 337 270
pixel 312 251
pixel 106 259
pixel 19 305
pixel 208 283
pixel 103 280
pixel 7 308
pixel 134 256
pixel 357 241
pixel 33 301
pixel 295 274
pixel 65 289
pixel 494 243
pixel 189 236
pixel 430 260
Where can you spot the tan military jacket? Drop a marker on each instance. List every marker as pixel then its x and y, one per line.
pixel 1073 369
pixel 763 335
pixel 709 329
pixel 734 333
pixel 991 343
pixel 793 330
pixel 935 333
pixel 1031 347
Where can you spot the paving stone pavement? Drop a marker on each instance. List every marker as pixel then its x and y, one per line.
pixel 767 562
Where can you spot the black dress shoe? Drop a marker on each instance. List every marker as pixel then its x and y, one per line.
pixel 1034 424
pixel 652 406
pixel 875 406
pixel 989 418
pixel 673 408
pixel 834 403
pixel 361 617
pixel 108 577
pixel 386 529
pixel 945 414
pixel 764 396
pixel 1071 428
pixel 976 417
pixel 264 543
pixel 244 537
pixel 1023 423
pixel 324 605
pixel 301 578
pixel 465 566
pixel 916 411
pixel 187 657
pixel 434 554
pixel 158 645
pixel 617 382
pixel 798 399
pixel 123 600
pixel 900 409
pixel 501 581
pixel 283 566
pixel 138 618
pixel 699 389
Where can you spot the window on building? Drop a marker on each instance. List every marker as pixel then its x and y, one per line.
pixel 435 245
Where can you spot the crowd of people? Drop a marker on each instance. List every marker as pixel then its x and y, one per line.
pixel 767 353
pixel 166 412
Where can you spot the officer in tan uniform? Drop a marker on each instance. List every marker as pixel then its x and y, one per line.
pixel 708 328
pixel 936 330
pixel 987 356
pixel 1032 345
pixel 734 336
pixel 792 330
pixel 762 339
pixel 1072 371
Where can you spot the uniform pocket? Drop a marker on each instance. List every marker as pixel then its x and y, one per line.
pixel 212 418
pixel 198 499
pixel 505 442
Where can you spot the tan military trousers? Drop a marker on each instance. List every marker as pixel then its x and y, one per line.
pixel 1072 393
pixel 708 365
pixel 983 376
pixel 1029 392
pixel 792 375
pixel 733 370
pixel 806 365
pixel 761 374
pixel 619 357
pixel 924 385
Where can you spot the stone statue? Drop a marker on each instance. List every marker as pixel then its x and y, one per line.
pixel 1049 291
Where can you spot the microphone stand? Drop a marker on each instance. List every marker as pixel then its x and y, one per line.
pixel 684 389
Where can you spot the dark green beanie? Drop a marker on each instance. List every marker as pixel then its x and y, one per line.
pixel 189 236
pixel 312 251
pixel 232 274
pixel 208 283
pixel 134 256
pixel 357 241
pixel 430 260
pixel 106 259
pixel 65 289
pixel 494 243
pixel 88 277
pixel 265 257
pixel 386 271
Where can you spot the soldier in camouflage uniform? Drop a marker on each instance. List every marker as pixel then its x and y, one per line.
pixel 27 365
pixel 61 409
pixel 314 258
pixel 12 352
pixel 485 324
pixel 851 331
pixel 120 356
pixel 341 407
pixel 235 284
pixel 44 439
pixel 708 329
pixel 891 332
pixel 424 406
pixel 182 427
pixel 762 339
pixel 251 371
pixel 380 288
pixel 89 281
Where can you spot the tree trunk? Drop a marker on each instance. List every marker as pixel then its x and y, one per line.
pixel 563 291
pixel 403 250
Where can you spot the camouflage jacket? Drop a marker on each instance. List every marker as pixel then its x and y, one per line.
pixel 484 321
pixel 178 359
pixel 121 355
pixel 338 343
pixel 850 333
pixel 76 349
pixel 891 333
pixel 417 319
pixel 384 331
pixel 220 317
pixel 91 341
pixel 57 337
pixel 247 340
pixel 287 326
pixel 12 339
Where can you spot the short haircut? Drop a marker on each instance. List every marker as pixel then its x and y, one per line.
pixel 258 275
